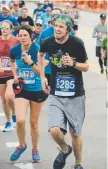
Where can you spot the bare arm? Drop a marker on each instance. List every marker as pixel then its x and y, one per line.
pixel 13 67
pixel 41 63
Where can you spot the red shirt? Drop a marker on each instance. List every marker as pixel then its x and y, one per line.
pixel 5 46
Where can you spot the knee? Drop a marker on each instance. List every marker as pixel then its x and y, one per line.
pixel 54 131
pixel 34 124
pixel 20 123
pixel 3 101
pixel 9 98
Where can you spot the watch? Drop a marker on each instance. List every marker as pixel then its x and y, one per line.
pixel 74 63
pixel 32 64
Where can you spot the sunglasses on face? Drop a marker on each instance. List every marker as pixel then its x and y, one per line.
pixel 38 25
pixel 4 27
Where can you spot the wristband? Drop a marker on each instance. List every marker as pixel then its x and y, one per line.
pixel 32 64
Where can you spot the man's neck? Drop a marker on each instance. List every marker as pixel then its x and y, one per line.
pixel 62 40
pixel 6 37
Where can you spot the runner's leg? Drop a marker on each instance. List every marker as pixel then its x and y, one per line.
pixel 4 103
pixel 21 106
pixel 35 109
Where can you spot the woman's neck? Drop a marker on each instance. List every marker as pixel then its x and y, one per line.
pixel 25 48
pixel 6 37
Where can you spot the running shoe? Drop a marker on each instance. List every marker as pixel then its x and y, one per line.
pixel 60 160
pixel 14 120
pixel 8 127
pixel 78 167
pixel 17 153
pixel 35 156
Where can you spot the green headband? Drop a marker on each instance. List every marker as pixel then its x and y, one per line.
pixel 67 21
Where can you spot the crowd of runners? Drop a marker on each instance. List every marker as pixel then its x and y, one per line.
pixel 41 56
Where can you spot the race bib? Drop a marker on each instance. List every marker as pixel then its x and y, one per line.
pixel 65 86
pixel 27 74
pixel 5 63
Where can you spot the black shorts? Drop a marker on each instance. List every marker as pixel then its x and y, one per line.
pixel 98 51
pixel 48 76
pixel 36 96
pixel 75 27
pixel 4 80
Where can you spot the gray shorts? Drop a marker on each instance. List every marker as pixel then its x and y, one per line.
pixel 67 110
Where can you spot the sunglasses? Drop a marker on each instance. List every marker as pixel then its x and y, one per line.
pixel 4 27
pixel 38 25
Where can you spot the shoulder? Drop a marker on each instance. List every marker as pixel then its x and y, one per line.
pixel 76 40
pixel 15 48
pixel 35 46
pixel 48 40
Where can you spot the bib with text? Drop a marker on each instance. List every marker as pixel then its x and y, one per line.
pixel 27 74
pixel 65 86
pixel 5 63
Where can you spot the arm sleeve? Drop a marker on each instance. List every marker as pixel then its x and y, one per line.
pixel 11 54
pixel 82 54
pixel 31 22
pixel 42 46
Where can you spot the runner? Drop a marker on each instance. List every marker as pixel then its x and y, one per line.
pixel 76 17
pixel 100 32
pixel 7 96
pixel 31 93
pixel 67 101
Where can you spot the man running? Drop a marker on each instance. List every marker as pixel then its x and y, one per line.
pixel 100 32
pixel 67 101
pixel 7 96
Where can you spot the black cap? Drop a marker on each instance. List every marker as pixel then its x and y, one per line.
pixel 103 16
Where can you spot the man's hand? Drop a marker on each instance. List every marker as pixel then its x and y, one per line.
pixel 67 60
pixel 45 85
pixel 99 35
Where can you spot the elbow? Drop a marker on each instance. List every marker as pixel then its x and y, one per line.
pixel 86 68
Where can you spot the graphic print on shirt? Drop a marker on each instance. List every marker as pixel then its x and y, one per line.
pixel 65 84
pixel 5 58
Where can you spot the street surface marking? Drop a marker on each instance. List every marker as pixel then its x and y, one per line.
pixel 24 166
pixel 96 69
pixel 12 144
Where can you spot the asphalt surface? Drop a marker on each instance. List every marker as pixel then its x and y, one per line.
pixel 95 126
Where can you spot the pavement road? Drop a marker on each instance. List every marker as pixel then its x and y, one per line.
pixel 95 126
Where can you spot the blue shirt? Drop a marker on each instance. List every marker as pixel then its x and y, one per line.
pixel 32 80
pixel 45 34
pixel 9 18
pixel 46 18
pixel 38 13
